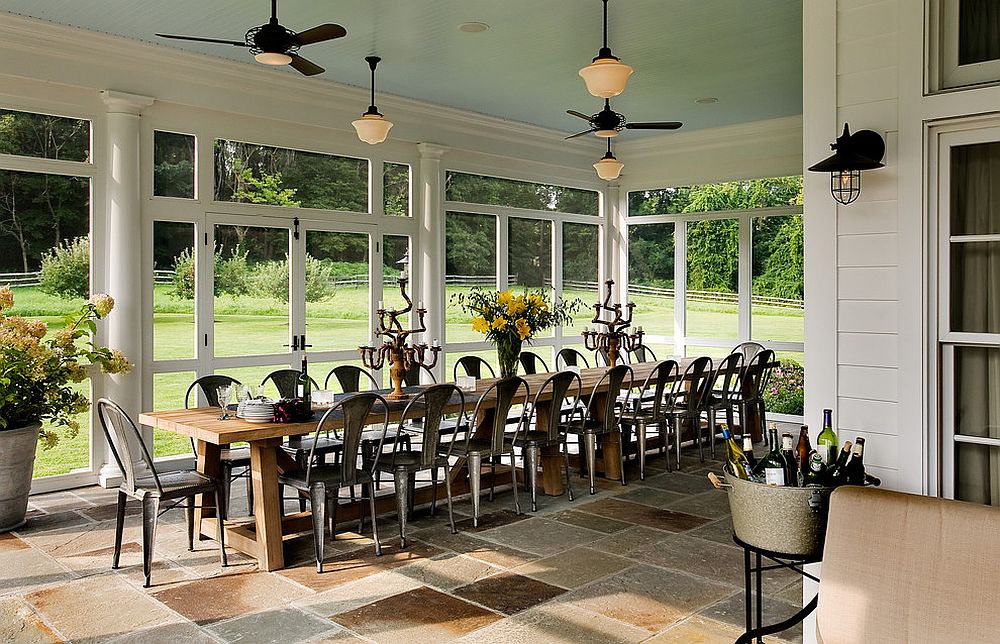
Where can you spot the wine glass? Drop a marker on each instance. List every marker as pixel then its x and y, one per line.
pixel 224 393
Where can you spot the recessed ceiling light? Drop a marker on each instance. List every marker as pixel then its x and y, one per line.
pixel 706 100
pixel 473 27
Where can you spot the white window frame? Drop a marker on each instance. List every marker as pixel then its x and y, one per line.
pixel 943 36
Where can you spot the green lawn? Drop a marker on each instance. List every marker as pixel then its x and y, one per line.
pixel 249 325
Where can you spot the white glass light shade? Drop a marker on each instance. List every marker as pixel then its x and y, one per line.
pixel 272 58
pixel 606 77
pixel 372 128
pixel 606 134
pixel 609 168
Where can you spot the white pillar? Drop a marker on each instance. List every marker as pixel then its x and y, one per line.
pixel 430 249
pixel 123 257
pixel 613 262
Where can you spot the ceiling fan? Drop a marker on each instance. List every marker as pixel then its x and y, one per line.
pixel 608 123
pixel 274 44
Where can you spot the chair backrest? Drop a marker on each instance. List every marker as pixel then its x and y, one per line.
pixel 286 381
pixel 125 441
pixel 474 367
pixel 558 388
pixel 503 393
pixel 641 353
pixel 615 380
pixel 350 377
pixel 355 410
pixel 730 370
pixel 412 376
pixel 758 372
pixel 209 387
pixel 601 357
pixel 698 377
pixel 429 405
pixel 532 363
pixel 659 387
pixel 749 350
pixel 571 358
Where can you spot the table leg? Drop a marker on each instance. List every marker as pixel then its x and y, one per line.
pixel 209 458
pixel 551 457
pixel 611 452
pixel 267 503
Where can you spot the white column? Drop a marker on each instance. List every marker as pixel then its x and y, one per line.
pixel 123 223
pixel 614 259
pixel 430 242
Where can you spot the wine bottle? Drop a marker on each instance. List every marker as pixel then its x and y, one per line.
pixel 826 442
pixel 736 460
pixel 304 388
pixel 748 451
pixel 788 455
pixel 803 449
pixel 772 466
pixel 816 472
pixel 855 470
pixel 837 473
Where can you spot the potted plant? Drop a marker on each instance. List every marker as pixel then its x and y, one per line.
pixel 37 374
pixel 508 320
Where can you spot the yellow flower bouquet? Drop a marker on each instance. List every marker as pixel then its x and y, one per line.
pixel 508 319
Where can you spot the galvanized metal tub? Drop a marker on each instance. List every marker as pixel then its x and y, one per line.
pixel 17 458
pixel 787 520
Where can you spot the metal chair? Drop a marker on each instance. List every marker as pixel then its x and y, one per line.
pixel 404 463
pixel 724 395
pixel 350 377
pixel 498 399
pixel 650 409
pixel 230 458
pixel 689 404
pixel 317 480
pixel 604 419
pixel 571 358
pixel 286 381
pixel 641 353
pixel 754 379
pixel 474 367
pixel 749 350
pixel 601 357
pixel 143 482
pixel 412 376
pixel 551 432
pixel 532 363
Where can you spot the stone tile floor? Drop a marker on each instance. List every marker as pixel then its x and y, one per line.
pixel 652 561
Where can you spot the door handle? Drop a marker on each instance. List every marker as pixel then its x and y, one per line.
pixel 295 342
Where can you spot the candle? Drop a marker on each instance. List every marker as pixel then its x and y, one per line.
pixel 402 274
pixel 380 307
pixel 420 304
pixel 639 329
pixel 435 343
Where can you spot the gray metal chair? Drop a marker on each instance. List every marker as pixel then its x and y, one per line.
pixel 601 357
pixel 689 403
pixel 749 350
pixel 650 409
pixel 725 393
pixel 317 480
pixel 604 419
pixel 474 367
pixel 404 462
pixel 414 374
pixel 286 381
pixel 552 432
pixel 350 377
pixel 532 363
pixel 641 353
pixel 231 458
pixel 571 358
pixel 143 482
pixel 755 378
pixel 493 407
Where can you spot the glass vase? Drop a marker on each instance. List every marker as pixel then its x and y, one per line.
pixel 508 350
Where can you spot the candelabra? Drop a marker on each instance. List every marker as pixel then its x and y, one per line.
pixel 394 350
pixel 614 339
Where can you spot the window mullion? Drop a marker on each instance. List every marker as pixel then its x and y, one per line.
pixel 745 279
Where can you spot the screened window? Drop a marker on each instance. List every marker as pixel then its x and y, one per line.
pixel 470 261
pixel 396 189
pixel 651 279
pixel 41 135
pixel 474 188
pixel 173 165
pixel 966 43
pixel 174 289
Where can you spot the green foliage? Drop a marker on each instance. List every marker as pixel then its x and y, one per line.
pixel 396 189
pixel 173 165
pixel 786 394
pixel 470 246
pixel 183 282
pixel 271 279
pixel 265 189
pixel 66 269
pixel 233 275
pixel 474 188
pixel 778 251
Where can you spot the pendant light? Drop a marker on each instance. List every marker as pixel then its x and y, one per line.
pixel 372 127
pixel 862 150
pixel 609 168
pixel 606 76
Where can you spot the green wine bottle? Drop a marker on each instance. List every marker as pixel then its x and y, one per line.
pixel 736 460
pixel 772 467
pixel 826 442
pixel 837 474
pixel 815 474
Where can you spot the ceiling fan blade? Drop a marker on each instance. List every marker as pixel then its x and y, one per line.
pixel 573 136
pixel 320 33
pixel 578 114
pixel 305 67
pixel 234 43
pixel 654 125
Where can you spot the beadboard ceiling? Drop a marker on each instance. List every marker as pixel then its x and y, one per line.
pixel 524 68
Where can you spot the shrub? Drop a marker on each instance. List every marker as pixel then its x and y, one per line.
pixel 183 282
pixel 786 393
pixel 233 275
pixel 66 269
pixel 271 279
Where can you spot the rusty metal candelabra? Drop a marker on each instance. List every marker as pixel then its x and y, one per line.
pixel 394 350
pixel 614 339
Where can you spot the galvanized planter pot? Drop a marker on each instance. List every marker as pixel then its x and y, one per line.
pixel 17 458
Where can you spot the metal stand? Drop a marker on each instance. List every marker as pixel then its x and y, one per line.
pixel 752 573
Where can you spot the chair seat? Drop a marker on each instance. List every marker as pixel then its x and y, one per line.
pixel 324 445
pixel 238 456
pixel 330 475
pixel 535 437
pixel 480 445
pixel 407 460
pixel 589 426
pixel 175 484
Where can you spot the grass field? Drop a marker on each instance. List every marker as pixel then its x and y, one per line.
pixel 249 325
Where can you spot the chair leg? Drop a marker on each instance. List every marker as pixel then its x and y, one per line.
pixel 409 495
pixel 317 498
pixel 678 428
pixel 249 478
pixel 569 488
pixel 447 491
pixel 513 475
pixel 640 439
pixel 150 510
pixel 119 528
pixel 711 429
pixel 493 478
pixel 402 480
pixel 434 489
pixel 333 502
pixel 590 446
pixel 698 437
pixel 730 420
pixel 621 454
pixel 531 464
pixel 367 489
pixel 221 502
pixel 189 512
pixel 226 478
pixel 474 461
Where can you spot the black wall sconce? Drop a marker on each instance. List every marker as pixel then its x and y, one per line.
pixel 853 153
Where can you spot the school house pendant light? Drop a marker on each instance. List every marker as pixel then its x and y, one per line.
pixel 606 76
pixel 372 127
pixel 862 150
pixel 609 168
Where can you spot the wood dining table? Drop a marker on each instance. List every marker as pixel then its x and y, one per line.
pixel 262 535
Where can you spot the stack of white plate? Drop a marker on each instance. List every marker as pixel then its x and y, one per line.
pixel 256 411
